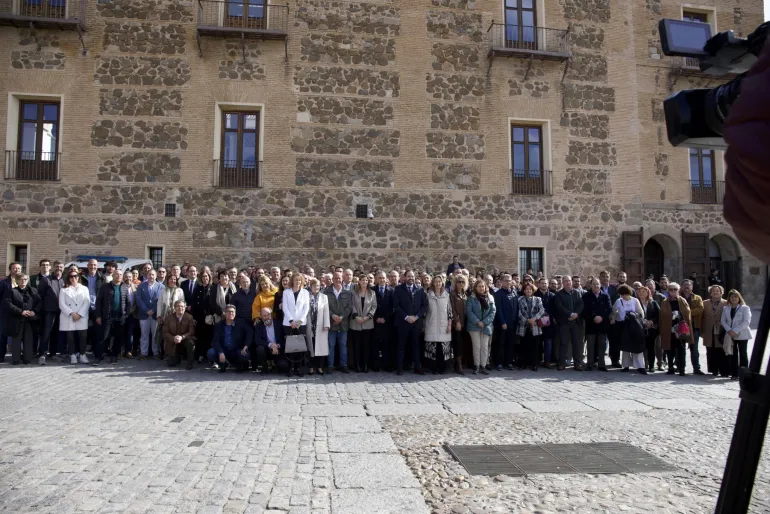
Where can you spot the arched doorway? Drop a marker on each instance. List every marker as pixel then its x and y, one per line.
pixel 662 257
pixel 724 256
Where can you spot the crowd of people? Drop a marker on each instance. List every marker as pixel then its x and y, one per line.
pixel 297 321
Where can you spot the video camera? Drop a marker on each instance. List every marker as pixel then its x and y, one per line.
pixel 694 117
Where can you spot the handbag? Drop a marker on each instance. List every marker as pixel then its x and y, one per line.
pixel 295 344
pixel 544 321
pixel 682 330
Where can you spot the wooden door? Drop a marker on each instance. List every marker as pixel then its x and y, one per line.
pixel 695 255
pixel 633 255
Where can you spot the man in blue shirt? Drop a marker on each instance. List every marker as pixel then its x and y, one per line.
pixel 146 308
pixel 230 345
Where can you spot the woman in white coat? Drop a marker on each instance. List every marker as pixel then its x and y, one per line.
pixel 296 306
pixel 74 302
pixel 317 328
pixel 438 326
pixel 736 320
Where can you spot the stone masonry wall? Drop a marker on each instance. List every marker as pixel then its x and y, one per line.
pixel 35 60
pixel 586 125
pixel 346 16
pixel 140 102
pixel 455 146
pixel 145 38
pixel 458 88
pixel 456 175
pixel 597 98
pixel 336 48
pixel 345 111
pixel 146 71
pixel 454 25
pixel 454 117
pixel 163 10
pixel 235 70
pixel 450 57
pixel 356 142
pixel 162 135
pixel 140 167
pixel 344 173
pixel 353 81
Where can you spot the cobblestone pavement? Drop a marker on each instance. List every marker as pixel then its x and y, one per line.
pixel 140 437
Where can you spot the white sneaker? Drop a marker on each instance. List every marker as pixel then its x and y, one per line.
pixel 41 360
pixel 73 359
pixel 83 359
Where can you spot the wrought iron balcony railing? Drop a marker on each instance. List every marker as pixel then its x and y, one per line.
pixel 237 174
pixel 539 42
pixel 248 17
pixel 60 14
pixel 32 165
pixel 531 182
pixel 707 192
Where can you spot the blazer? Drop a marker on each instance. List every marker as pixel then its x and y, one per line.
pixel 409 304
pixel 243 335
pixel 458 310
pixel 666 321
pixel 740 323
pixel 341 307
pixel 104 303
pixel 318 342
pixel 437 318
pixel 15 301
pixel 201 302
pixel 74 299
pixel 596 306
pixel 189 294
pixel 213 305
pixel 711 318
pixel 48 294
pixel 696 310
pixel 525 312
pixel 99 281
pixel 506 308
pixel 168 297
pixel 384 304
pixel 295 310
pixel 172 327
pixel 370 307
pixel 562 307
pixel 474 313
pixel 147 299
pixel 652 313
pixel 260 336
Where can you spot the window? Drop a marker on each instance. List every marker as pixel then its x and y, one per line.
pixel 170 210
pixel 37 143
pixel 527 159
pixel 520 24
pixel 695 16
pixel 530 258
pixel 240 150
pixel 155 254
pixel 43 8
pixel 362 210
pixel 703 182
pixel 246 13
pixel 19 252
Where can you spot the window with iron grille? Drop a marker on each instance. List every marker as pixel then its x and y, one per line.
pixel 239 164
pixel 21 255
pixel 530 258
pixel 170 211
pixel 362 210
pixel 155 254
pixel 38 141
pixel 520 22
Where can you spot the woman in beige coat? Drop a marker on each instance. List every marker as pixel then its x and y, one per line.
pixel 361 325
pixel 438 326
pixel 713 333
pixel 317 328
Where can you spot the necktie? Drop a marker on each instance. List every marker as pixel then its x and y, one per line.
pixel 382 291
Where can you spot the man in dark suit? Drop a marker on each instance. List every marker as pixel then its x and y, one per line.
pixel 268 344
pixel 384 340
pixel 179 335
pixel 596 318
pixel 230 345
pixel 14 270
pixel 111 310
pixel 410 303
pixel 506 321
pixel 45 270
pixel 188 286
pixel 48 290
pixel 568 306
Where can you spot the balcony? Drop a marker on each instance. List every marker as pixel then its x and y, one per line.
pixel 235 174
pixel 523 41
pixel 245 18
pixel 56 14
pixel 707 193
pixel 32 165
pixel 531 183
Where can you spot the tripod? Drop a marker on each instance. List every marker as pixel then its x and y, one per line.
pixel 749 434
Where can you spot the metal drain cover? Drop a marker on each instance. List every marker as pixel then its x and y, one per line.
pixel 531 459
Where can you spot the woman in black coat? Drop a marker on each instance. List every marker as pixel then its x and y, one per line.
pixel 21 306
pixel 651 320
pixel 549 332
pixel 277 304
pixel 200 309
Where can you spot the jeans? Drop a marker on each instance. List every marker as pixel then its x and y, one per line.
pixel 480 342
pixel 94 331
pixel 149 327
pixel 341 338
pixel 111 342
pixel 547 346
pixel 506 342
pixel 570 332
pixel 694 352
pixel 233 356
pixel 76 341
pixel 596 345
pixel 48 331
pixel 128 334
pixel 409 334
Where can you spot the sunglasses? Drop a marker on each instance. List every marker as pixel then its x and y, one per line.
pixel 73 276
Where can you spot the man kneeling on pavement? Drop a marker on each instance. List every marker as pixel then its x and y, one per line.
pixel 268 343
pixel 179 336
pixel 231 342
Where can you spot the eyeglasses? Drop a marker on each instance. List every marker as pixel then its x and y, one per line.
pixel 73 276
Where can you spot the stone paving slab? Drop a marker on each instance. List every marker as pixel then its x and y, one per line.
pixel 404 409
pixel 675 403
pixel 361 443
pixel 371 471
pixel 617 405
pixel 485 408
pixel 355 425
pixel 313 411
pixel 557 406
pixel 386 501
pixel 723 403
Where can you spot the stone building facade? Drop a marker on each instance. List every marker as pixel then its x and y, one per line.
pixel 395 105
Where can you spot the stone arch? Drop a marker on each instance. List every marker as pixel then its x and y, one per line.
pixel 670 262
pixel 725 257
pixel 728 247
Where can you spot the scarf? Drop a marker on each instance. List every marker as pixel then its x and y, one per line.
pixel 221 298
pixel 483 300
